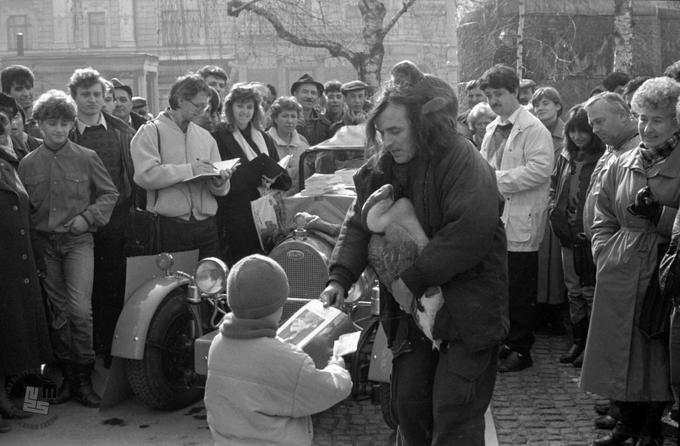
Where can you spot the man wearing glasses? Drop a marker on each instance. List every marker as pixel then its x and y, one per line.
pixel 167 154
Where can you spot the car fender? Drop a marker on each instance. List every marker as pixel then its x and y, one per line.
pixel 133 323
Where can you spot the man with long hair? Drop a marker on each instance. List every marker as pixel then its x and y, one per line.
pixel 439 397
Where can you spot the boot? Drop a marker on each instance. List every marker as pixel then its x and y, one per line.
pixel 65 391
pixel 651 429
pixel 580 330
pixel 617 437
pixel 554 313
pixel 84 392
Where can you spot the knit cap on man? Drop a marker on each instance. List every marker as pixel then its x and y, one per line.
pixel 257 286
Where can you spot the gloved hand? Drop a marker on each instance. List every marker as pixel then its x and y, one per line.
pixel 646 206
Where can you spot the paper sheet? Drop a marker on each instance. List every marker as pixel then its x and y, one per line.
pixel 346 344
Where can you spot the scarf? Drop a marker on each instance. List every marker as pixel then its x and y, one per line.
pixel 651 156
pixel 237 328
pixel 257 138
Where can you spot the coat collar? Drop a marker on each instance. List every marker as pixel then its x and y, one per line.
pixel 668 167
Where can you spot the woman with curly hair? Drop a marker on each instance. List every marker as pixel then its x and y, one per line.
pixel 626 357
pixel 242 137
pixel 573 169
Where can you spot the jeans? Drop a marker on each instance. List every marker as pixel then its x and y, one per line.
pixel 523 282
pixel 439 398
pixel 69 264
pixel 580 296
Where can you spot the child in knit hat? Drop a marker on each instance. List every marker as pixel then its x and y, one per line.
pixel 261 390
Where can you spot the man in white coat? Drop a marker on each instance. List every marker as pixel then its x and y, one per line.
pixel 520 148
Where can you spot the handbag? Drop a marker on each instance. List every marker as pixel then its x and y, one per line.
pixel 655 313
pixel 142 233
pixel 583 260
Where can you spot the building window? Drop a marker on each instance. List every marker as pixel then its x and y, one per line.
pixel 17 24
pixel 182 27
pixel 97 29
pixel 171 29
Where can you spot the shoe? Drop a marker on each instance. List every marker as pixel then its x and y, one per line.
pixel 613 439
pixel 602 408
pixel 65 391
pixel 84 393
pixel 4 426
pixel 14 413
pixel 649 441
pixel 605 422
pixel 503 352
pixel 515 362
pixel 574 352
pixel 578 362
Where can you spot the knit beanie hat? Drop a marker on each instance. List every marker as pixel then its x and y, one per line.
pixel 257 286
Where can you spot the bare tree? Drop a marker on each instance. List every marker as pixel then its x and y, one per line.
pixel 623 35
pixel 305 23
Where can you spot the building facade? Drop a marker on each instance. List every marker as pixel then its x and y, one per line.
pixel 148 43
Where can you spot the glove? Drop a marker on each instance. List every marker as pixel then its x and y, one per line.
pixel 646 206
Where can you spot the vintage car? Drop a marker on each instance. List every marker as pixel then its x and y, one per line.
pixel 170 316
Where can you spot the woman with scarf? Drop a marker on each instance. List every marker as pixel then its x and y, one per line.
pixel 242 137
pixel 626 357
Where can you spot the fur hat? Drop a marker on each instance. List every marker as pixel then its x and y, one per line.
pixel 257 286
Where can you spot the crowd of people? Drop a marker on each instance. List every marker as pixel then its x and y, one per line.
pixel 527 206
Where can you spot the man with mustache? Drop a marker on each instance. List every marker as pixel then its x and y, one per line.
pixel 313 125
pixel 519 146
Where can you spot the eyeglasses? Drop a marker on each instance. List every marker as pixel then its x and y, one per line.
pixel 200 107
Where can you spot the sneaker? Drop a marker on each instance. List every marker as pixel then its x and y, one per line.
pixel 515 362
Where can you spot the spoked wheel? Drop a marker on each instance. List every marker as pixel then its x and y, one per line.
pixel 385 396
pixel 165 377
pixel 361 361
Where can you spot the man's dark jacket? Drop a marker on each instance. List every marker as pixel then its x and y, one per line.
pixel 457 203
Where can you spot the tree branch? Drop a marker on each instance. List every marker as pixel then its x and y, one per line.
pixel 405 7
pixel 335 48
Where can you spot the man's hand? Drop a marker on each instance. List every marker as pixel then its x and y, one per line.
pixel 202 166
pixel 77 225
pixel 402 295
pixel 337 360
pixel 333 294
pixel 223 178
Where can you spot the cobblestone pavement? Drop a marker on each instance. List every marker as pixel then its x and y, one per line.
pixel 539 406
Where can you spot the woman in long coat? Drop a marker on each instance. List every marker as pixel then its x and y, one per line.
pixel 633 219
pixel 242 137
pixel 24 338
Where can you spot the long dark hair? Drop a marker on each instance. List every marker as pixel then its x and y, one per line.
pixel 431 108
pixel 577 120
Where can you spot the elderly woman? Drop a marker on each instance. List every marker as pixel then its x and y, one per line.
pixel 167 154
pixel 547 105
pixel 285 112
pixel 569 186
pixel 479 117
pixel 626 359
pixel 242 137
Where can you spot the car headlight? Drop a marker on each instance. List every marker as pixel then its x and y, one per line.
pixel 211 275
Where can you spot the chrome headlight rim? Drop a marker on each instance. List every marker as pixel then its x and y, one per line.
pixel 210 275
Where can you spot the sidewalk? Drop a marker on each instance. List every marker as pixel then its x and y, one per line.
pixel 539 406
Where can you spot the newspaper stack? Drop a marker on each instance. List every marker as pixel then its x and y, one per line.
pixel 320 183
